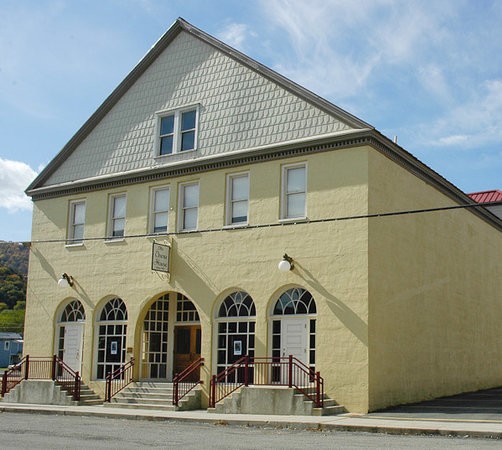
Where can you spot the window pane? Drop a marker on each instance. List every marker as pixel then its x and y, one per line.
pixel 190 219
pixel 188 140
pixel 167 125
pixel 166 145
pixel 296 179
pixel 78 232
pixel 240 211
pixel 79 213
pixel 188 120
pixel 119 206
pixel 118 227
pixel 296 205
pixel 161 200
pixel 160 222
pixel 240 188
pixel 191 196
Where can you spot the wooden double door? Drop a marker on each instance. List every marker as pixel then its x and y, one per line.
pixel 187 344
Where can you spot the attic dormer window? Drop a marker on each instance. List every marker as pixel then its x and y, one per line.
pixel 177 131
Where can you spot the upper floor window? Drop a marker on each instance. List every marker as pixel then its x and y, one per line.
pixel 159 210
pixel 117 216
pixel 294 188
pixel 178 131
pixel 189 206
pixel 237 199
pixel 76 222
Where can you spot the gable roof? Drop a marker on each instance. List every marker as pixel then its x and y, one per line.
pixel 178 27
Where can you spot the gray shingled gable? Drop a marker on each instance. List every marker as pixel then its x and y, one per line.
pixel 244 105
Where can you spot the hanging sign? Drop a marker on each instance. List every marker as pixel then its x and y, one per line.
pixel 160 257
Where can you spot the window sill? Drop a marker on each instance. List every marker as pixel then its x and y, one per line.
pixel 294 220
pixel 75 245
pixel 232 226
pixel 162 157
pixel 111 240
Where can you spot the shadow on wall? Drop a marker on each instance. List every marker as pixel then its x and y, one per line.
pixel 348 317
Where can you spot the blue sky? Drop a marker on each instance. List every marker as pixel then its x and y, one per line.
pixel 427 71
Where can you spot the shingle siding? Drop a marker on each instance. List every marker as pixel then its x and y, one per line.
pixel 239 109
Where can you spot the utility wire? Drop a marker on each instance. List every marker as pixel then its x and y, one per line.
pixel 270 225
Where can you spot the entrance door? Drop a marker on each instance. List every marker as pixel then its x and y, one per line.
pixel 293 341
pixel 72 351
pixel 187 340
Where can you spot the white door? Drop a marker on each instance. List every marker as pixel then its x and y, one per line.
pixel 293 341
pixel 73 339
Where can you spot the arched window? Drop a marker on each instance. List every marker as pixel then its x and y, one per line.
pixel 112 329
pixel 70 334
pixel 73 312
pixel 295 301
pixel 294 327
pixel 236 327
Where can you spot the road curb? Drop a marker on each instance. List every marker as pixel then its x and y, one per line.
pixel 265 423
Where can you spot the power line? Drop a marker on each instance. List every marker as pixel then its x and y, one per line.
pixel 271 225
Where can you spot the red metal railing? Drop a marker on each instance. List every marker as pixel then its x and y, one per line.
pixel 43 368
pixel 183 383
pixel 279 371
pixel 118 380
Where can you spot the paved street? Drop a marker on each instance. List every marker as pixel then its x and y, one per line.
pixel 33 431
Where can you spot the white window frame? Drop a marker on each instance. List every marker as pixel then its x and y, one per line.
pixel 230 202
pixel 177 131
pixel 154 212
pixel 284 213
pixel 72 224
pixel 112 219
pixel 6 346
pixel 182 208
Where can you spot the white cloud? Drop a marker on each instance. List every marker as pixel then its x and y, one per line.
pixel 234 34
pixel 15 176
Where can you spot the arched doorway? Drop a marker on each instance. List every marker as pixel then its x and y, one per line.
pixel 112 329
pixel 293 321
pixel 70 334
pixel 171 337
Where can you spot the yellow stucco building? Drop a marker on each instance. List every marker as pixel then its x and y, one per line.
pixel 231 166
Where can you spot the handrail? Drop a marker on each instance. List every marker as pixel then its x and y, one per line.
pixel 119 379
pixel 65 376
pixel 224 388
pixel 182 385
pixel 286 371
pixel 43 368
pixel 12 377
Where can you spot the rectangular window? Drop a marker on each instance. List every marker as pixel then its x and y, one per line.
pixel 294 188
pixel 159 210
pixel 237 199
pixel 76 222
pixel 117 216
pixel 189 206
pixel 177 131
pixel 6 346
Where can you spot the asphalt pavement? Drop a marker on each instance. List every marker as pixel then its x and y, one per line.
pixel 475 415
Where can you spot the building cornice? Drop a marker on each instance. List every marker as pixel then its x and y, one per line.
pixel 357 138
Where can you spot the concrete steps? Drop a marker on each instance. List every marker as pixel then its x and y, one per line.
pixel 274 400
pixel 88 397
pixel 153 395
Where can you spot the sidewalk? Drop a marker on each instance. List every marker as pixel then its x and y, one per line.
pixel 372 423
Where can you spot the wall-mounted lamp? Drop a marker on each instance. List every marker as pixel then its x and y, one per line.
pixel 286 264
pixel 65 281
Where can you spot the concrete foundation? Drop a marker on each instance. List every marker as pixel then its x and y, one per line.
pixel 41 392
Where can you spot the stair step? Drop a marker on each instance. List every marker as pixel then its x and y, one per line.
pixel 140 406
pixel 154 401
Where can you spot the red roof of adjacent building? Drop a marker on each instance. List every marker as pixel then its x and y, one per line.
pixel 487 196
